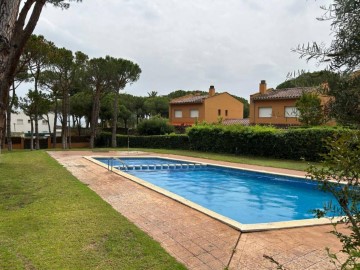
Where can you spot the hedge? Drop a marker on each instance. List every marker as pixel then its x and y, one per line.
pixel 294 144
pixel 74 139
pixel 154 141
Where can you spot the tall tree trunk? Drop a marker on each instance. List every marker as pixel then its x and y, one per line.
pixel 79 125
pixel 13 36
pixel 2 143
pixel 9 10
pixel 55 122
pixel 8 129
pixel 69 125
pixel 32 134
pixel 37 140
pixel 8 118
pixel 64 126
pixel 114 120
pixel 95 116
pixel 48 122
pixel 36 116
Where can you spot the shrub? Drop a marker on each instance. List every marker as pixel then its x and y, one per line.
pixel 293 144
pixel 155 141
pixel 310 109
pixel 340 176
pixel 155 126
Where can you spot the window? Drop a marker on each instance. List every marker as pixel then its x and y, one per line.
pixel 19 121
pixel 291 112
pixel 265 112
pixel 226 112
pixel 194 113
pixel 219 112
pixel 178 114
pixel 29 121
pixel 44 122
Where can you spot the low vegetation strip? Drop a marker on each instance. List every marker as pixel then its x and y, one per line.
pixel 260 141
pixel 50 220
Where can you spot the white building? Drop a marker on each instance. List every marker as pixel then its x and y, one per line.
pixel 21 124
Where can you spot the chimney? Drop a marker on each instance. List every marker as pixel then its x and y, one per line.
pixel 262 87
pixel 211 91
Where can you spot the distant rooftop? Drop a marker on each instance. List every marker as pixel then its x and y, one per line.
pixel 287 93
pixel 189 99
pixel 244 122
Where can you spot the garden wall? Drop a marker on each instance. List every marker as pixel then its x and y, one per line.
pixel 46 143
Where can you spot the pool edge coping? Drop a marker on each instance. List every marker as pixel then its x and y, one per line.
pixel 230 222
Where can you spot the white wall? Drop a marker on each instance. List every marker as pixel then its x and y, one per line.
pixel 21 123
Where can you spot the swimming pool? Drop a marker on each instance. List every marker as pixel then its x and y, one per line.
pixel 244 196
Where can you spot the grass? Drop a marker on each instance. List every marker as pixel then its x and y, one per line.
pixel 50 220
pixel 261 161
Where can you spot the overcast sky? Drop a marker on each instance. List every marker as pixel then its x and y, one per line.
pixel 192 44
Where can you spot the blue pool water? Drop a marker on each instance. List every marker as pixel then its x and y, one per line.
pixel 247 197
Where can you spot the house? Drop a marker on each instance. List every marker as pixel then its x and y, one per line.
pixel 20 124
pixel 277 107
pixel 189 109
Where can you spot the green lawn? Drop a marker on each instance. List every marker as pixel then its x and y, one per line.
pixel 269 162
pixel 50 220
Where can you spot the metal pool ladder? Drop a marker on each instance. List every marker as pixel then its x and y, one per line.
pixel 111 166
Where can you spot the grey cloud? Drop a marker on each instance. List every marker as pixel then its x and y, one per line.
pixel 191 44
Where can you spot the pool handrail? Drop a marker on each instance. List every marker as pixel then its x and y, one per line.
pixel 110 168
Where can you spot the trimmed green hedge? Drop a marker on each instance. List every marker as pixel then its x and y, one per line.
pixel 262 141
pixel 153 141
pixel 295 144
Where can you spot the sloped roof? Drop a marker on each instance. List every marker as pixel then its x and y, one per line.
pixel 287 93
pixel 189 99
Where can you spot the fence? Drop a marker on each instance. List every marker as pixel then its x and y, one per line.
pixel 47 143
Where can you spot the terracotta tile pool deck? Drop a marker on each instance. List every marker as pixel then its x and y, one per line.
pixel 193 238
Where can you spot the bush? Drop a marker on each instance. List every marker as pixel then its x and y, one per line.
pixel 154 141
pixel 340 176
pixel 232 139
pixel 293 144
pixel 155 126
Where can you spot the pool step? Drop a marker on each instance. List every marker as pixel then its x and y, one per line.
pixel 172 166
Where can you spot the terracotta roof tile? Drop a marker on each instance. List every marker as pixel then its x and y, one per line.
pixel 287 93
pixel 189 99
pixel 244 122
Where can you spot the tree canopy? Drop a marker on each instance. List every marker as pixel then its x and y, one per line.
pixel 16 27
pixel 309 79
pixel 310 109
pixel 339 173
pixel 344 50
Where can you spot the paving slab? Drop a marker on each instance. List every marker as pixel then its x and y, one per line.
pixel 193 238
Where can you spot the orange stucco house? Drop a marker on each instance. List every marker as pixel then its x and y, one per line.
pixel 277 107
pixel 189 109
